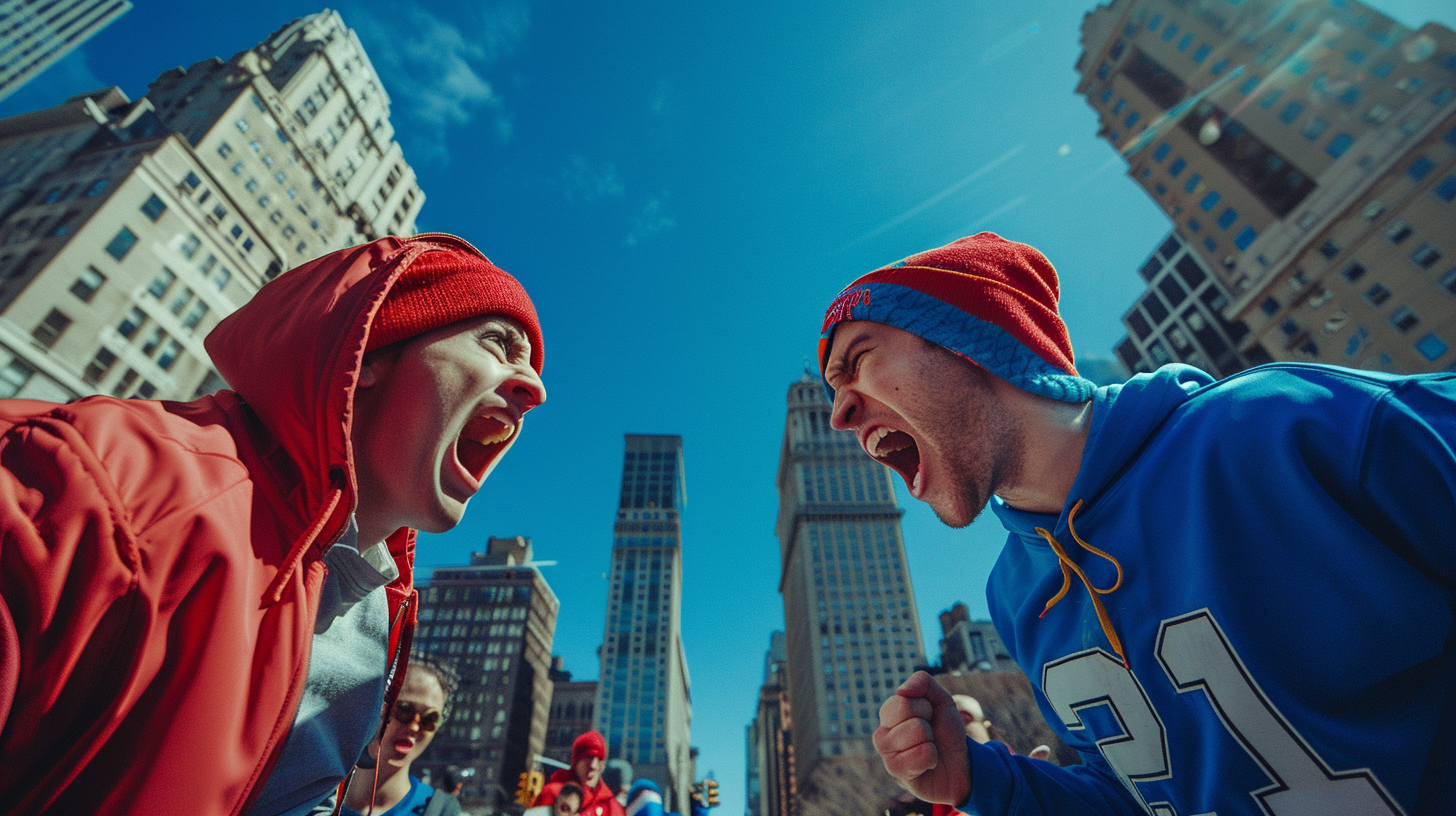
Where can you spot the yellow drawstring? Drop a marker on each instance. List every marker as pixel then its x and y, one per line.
pixel 1069 567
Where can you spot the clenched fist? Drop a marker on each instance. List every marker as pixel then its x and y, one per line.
pixel 923 742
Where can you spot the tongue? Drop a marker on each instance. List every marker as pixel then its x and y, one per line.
pixel 475 456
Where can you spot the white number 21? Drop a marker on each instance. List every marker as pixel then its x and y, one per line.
pixel 1198 657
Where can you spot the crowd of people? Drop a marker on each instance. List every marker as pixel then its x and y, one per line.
pixel 1234 596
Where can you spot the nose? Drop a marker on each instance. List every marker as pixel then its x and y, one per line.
pixel 524 391
pixel 846 406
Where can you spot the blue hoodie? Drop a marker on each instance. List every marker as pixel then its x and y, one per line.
pixel 1283 627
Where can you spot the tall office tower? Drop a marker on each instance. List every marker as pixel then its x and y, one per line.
pixel 969 645
pixel 1306 154
pixel 299 126
pixel 644 706
pixel 852 631
pixel 34 34
pixel 573 706
pixel 770 745
pixel 127 230
pixel 493 621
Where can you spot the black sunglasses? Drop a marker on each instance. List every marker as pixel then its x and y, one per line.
pixel 406 712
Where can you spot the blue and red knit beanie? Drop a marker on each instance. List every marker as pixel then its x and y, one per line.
pixel 990 300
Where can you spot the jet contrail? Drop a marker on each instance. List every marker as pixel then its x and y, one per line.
pixel 1001 210
pixel 938 197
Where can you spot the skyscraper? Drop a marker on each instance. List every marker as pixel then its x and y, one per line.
pixel 1306 154
pixel 644 706
pixel 34 34
pixel 128 229
pixel 970 645
pixel 852 631
pixel 770 745
pixel 494 621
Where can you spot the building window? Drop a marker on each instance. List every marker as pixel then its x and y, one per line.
pixel 154 342
pixel 1202 53
pixel 1354 272
pixel 1270 306
pixel 188 246
pixel 1431 347
pixel 134 320
pixel 242 124
pixel 99 366
pixel 1315 128
pixel 1419 168
pixel 192 180
pixel 98 187
pixel 220 277
pixel 147 390
pixel 1245 237
pixel 1193 182
pixel 1404 319
pixel 1291 112
pixel 1446 190
pixel 224 149
pixel 87 283
pixel 121 244
pixel 1228 218
pixel 1426 257
pixel 1329 249
pixel 1397 231
pixel 1209 201
pixel 1185 42
pixel 161 283
pixel 153 208
pixel 1377 295
pixel 13 377
pixel 49 330
pixel 1176 167
pixel 169 355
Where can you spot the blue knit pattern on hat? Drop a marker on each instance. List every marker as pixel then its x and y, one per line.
pixel 986 343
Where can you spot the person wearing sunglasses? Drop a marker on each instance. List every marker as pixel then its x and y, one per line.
pixel 382 784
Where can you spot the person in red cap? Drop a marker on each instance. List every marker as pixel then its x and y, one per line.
pixel 588 759
pixel 201 604
pixel 1196 572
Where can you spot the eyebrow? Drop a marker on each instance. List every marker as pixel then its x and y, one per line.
pixel 839 356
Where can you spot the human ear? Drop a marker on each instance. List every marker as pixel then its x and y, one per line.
pixel 367 376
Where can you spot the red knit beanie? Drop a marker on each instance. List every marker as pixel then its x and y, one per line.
pixel 449 282
pixel 589 744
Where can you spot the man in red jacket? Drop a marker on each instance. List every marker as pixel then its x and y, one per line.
pixel 588 759
pixel 200 602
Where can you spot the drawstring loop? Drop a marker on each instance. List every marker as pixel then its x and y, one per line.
pixel 295 554
pixel 1069 566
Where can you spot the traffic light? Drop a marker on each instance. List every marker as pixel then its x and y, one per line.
pixel 712 792
pixel 524 794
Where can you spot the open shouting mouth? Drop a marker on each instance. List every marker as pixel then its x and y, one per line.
pixel 896 449
pixel 482 441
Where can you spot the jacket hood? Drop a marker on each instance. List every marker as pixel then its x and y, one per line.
pixel 1120 428
pixel 294 351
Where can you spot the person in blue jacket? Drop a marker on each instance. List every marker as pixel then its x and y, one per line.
pixel 1232 597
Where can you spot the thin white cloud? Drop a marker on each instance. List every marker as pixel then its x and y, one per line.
pixel 433 67
pixel 1009 43
pixel 584 181
pixel 975 226
pixel 653 219
pixel 940 196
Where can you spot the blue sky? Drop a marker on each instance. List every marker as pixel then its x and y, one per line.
pixel 682 187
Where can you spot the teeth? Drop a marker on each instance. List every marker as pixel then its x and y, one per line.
pixel 915 485
pixel 484 436
pixel 873 441
pixel 872 444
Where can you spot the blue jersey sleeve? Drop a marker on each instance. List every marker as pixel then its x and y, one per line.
pixel 1005 784
pixel 1408 476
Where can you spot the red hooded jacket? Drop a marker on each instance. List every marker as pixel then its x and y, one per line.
pixel 160 562
pixel 599 801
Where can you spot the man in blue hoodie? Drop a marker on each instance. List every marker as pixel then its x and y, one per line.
pixel 1232 597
